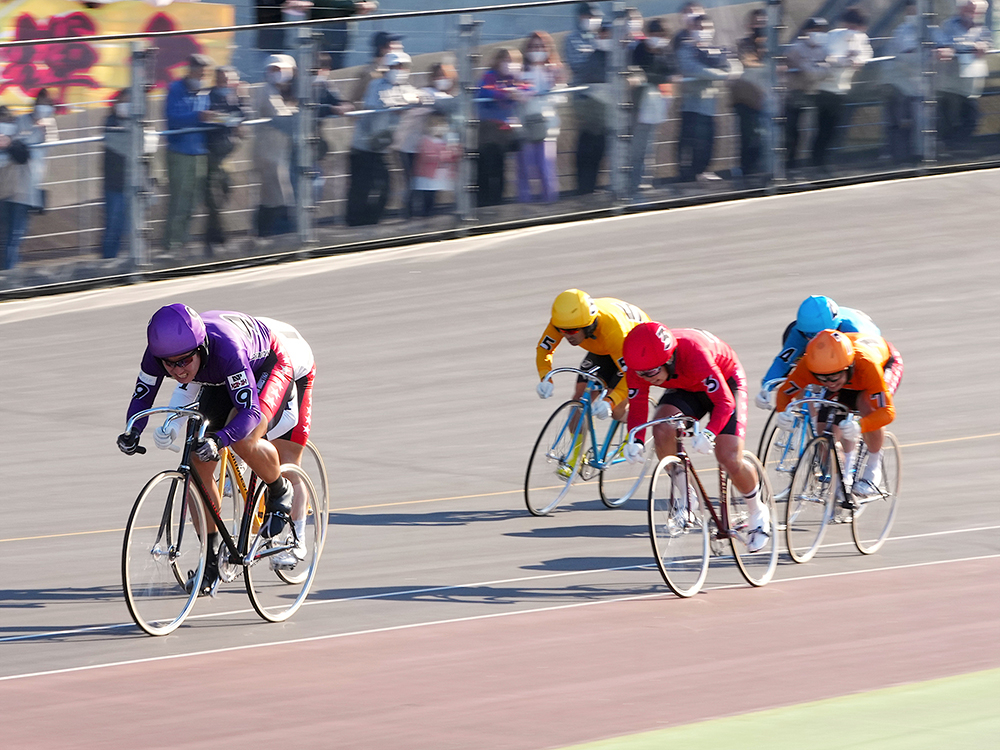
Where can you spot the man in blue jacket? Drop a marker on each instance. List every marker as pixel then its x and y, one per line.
pixel 187 153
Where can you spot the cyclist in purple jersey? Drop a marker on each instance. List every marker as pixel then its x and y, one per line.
pixel 247 375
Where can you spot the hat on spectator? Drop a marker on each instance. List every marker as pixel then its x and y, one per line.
pixel 395 57
pixel 198 60
pixel 384 39
pixel 280 61
pixel 814 23
pixel 589 9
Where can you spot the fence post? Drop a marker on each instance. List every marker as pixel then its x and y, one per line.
pixel 305 136
pixel 620 135
pixel 776 155
pixel 928 107
pixel 137 169
pixel 469 135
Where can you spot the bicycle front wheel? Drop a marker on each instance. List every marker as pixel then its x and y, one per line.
pixel 163 557
pixel 555 459
pixel 779 455
pixel 619 480
pixel 872 517
pixel 757 567
pixel 810 499
pixel 278 588
pixel 678 528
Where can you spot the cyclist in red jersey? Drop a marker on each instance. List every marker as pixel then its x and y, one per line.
pixel 700 375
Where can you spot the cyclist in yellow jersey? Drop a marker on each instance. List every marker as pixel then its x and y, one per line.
pixel 599 326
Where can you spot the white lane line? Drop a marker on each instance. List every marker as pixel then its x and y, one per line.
pixel 455 587
pixel 472 618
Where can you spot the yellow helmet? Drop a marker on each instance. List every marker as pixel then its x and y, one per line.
pixel 829 352
pixel 573 309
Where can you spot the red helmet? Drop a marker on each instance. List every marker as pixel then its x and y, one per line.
pixel 648 346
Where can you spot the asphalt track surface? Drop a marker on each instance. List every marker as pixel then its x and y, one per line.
pixel 443 615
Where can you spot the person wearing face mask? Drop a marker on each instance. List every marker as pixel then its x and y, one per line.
pixel 705 66
pixel 847 51
pixel 536 159
pixel 750 94
pixel 187 152
pixel 961 44
pixel 117 148
pixel 387 97
pixel 654 58
pixel 689 13
pixel 413 127
pixel 274 145
pixel 586 55
pixel 501 90
pixel 229 105
pixel 383 42
pixel 24 174
pixel 904 73
pixel 807 66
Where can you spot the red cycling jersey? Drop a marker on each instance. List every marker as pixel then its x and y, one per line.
pixel 702 363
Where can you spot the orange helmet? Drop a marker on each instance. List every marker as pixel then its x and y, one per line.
pixel 829 352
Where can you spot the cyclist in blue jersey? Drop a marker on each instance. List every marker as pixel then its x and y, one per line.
pixel 816 313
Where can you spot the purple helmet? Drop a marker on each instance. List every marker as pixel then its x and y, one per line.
pixel 174 329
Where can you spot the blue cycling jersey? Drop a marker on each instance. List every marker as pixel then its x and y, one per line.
pixel 851 321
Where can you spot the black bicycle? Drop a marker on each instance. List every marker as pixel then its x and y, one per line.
pixel 165 549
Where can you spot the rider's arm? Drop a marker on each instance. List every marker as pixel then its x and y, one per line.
pixel 543 352
pixel 243 393
pixel 151 374
pixel 792 386
pixel 791 350
pixel 722 398
pixel 872 386
pixel 638 403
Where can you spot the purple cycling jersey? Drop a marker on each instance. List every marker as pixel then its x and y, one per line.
pixel 238 349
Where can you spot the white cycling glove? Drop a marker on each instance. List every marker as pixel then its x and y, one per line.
pixel 703 442
pixel 545 389
pixel 164 437
pixel 785 421
pixel 602 409
pixel 850 430
pixel 763 400
pixel 634 453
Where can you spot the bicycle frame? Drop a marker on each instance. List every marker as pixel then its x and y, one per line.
pixel 685 427
pixel 594 390
pixel 814 404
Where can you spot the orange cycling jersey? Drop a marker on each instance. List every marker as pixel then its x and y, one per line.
pixel 871 354
pixel 614 320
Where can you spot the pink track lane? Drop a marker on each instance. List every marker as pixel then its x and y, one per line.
pixel 538 680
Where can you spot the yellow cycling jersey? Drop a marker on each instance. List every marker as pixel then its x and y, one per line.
pixel 614 320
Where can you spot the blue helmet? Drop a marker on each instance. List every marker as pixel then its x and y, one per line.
pixel 817 313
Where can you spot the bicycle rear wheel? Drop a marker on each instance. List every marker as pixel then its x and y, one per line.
pixel 872 517
pixel 810 499
pixel 619 480
pixel 163 557
pixel 315 469
pixel 555 459
pixel 276 593
pixel 757 567
pixel 677 528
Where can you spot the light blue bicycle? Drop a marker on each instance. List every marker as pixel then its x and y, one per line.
pixel 568 448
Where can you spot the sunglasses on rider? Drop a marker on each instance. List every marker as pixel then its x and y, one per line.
pixel 568 331
pixel 648 373
pixel 831 377
pixel 180 362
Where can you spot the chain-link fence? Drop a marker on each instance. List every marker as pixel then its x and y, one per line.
pixel 615 112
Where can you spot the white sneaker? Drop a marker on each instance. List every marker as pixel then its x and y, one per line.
pixel 865 488
pixel 758 523
pixel 707 177
pixel 289 558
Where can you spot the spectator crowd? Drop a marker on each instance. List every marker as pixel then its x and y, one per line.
pixel 520 100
